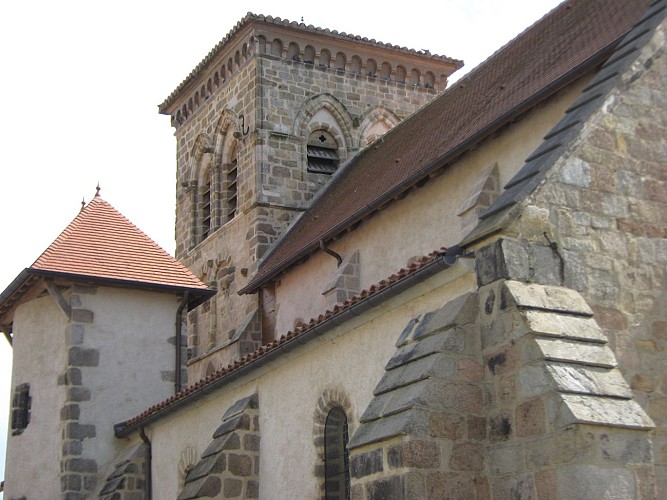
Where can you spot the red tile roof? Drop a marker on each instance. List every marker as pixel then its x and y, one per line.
pixel 101 243
pixel 574 38
pixel 439 258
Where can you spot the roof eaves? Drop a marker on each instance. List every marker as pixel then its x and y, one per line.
pixel 162 108
pixel 196 295
pixel 377 294
pixel 438 163
pixel 561 135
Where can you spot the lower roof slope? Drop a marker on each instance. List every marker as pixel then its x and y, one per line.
pixel 572 39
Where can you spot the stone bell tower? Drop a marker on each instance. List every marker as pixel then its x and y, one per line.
pixel 262 123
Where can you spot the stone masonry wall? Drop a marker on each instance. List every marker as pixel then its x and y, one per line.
pixel 229 467
pixel 268 108
pixel 510 392
pixel 604 206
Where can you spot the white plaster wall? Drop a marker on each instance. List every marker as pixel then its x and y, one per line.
pixel 131 329
pixel 423 221
pixel 33 457
pixel 350 358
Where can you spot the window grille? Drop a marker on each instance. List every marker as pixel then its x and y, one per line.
pixel 336 456
pixel 21 403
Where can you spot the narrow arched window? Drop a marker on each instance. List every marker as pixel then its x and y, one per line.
pixel 322 153
pixel 206 206
pixel 231 185
pixel 336 456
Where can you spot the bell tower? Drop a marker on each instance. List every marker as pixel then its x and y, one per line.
pixel 262 123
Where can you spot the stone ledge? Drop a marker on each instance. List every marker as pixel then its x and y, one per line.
pixel 545 298
pixel 567 409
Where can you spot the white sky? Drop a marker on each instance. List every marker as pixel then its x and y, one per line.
pixel 82 81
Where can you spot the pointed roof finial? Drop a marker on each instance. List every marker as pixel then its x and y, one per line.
pixel 97 190
pixel 83 204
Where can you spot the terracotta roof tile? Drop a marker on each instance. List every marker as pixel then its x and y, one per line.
pixel 574 37
pixel 101 243
pixel 290 336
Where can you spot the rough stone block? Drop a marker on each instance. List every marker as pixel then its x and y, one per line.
pixel 82 316
pixel 467 457
pixel 213 464
pixel 235 423
pixel 530 418
pixel 590 481
pixel 74 430
pixel 520 486
pixel 418 454
pixel 435 365
pixel 538 379
pixel 460 311
pixel 441 485
pixel 500 427
pixel 240 465
pixel 569 445
pixel 81 465
pixel 545 298
pixel 232 488
pixel 78 356
pixel 476 427
pixel 206 487
pixel 626 447
pixel 450 340
pixel 240 406
pixel 502 259
pixel 564 350
pixel 367 463
pixel 413 422
pixel 506 458
pixel 78 394
pixel 446 425
pixel 566 326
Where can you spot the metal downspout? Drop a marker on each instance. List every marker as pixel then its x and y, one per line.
pixel 148 464
pixel 178 364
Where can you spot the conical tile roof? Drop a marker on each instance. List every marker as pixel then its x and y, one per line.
pixel 101 243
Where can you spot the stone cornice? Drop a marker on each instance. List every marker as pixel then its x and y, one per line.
pixel 238 46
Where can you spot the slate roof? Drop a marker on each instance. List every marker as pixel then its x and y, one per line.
pixel 102 246
pixel 249 17
pixel 574 38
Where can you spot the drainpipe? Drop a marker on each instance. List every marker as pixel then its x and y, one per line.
pixel 148 464
pixel 328 250
pixel 179 349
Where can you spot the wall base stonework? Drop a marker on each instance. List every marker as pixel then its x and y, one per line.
pixel 509 392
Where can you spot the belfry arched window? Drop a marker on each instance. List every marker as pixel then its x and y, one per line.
pixel 336 456
pixel 206 206
pixel 231 184
pixel 322 153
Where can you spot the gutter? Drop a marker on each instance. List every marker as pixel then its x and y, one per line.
pixel 437 265
pixel 436 164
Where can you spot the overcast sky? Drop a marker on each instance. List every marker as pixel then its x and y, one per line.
pixel 81 82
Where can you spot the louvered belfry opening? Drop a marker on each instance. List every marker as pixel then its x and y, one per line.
pixel 322 153
pixel 232 186
pixel 336 456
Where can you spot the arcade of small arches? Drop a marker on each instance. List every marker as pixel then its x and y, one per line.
pixel 213 183
pixel 323 58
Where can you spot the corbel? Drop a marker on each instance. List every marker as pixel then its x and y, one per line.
pixel 58 298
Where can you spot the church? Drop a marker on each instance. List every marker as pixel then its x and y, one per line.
pixel 385 286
